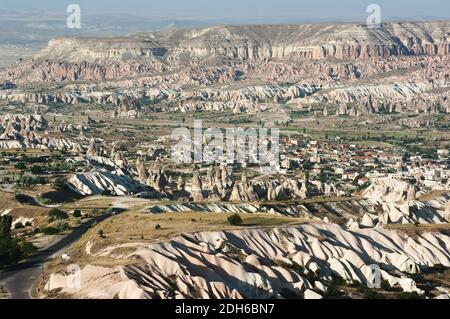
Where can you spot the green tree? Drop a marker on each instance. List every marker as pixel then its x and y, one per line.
pixel 19 226
pixel 10 252
pixel 235 220
pixel 5 226
pixel 62 226
pixel 49 231
pixel 59 183
pixel 36 170
pixel 20 166
pixel 27 248
pixel 56 214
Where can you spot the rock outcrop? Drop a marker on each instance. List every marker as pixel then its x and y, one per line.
pixel 197 188
pixel 390 190
pixel 31 131
pixel 274 263
pixel 86 59
pixel 351 69
pixel 103 182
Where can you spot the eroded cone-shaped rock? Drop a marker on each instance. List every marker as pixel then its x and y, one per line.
pixel 304 190
pixel 411 194
pixel 271 193
pixel 113 151
pixel 244 179
pixel 141 170
pixel 297 188
pixel 224 176
pixel 215 194
pixel 10 130
pixel 367 221
pixel 197 189
pixel 236 194
pixel 157 178
pixel 180 184
pixel 82 136
pixel 251 194
pixel 329 190
pixel 281 192
pixel 243 188
pixel 120 160
pixel 210 177
pixel 218 184
pixel 93 149
pixel 217 177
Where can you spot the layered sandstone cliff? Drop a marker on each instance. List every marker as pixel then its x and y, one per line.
pixel 71 59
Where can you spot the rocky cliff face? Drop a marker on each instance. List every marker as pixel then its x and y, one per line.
pixel 343 41
pixel 111 58
pixel 398 68
pixel 312 41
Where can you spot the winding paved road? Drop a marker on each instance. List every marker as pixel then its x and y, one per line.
pixel 19 279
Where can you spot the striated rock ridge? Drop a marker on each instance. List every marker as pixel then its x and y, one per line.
pixel 90 59
pixel 273 263
pixel 102 182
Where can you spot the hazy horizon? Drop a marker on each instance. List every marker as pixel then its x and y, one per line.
pixel 241 11
pixel 32 22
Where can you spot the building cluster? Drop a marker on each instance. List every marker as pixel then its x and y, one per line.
pixel 359 164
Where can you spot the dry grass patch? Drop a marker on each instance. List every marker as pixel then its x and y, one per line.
pixel 8 201
pixel 414 230
pixel 104 202
pixel 89 203
pixel 432 195
pixel 137 227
